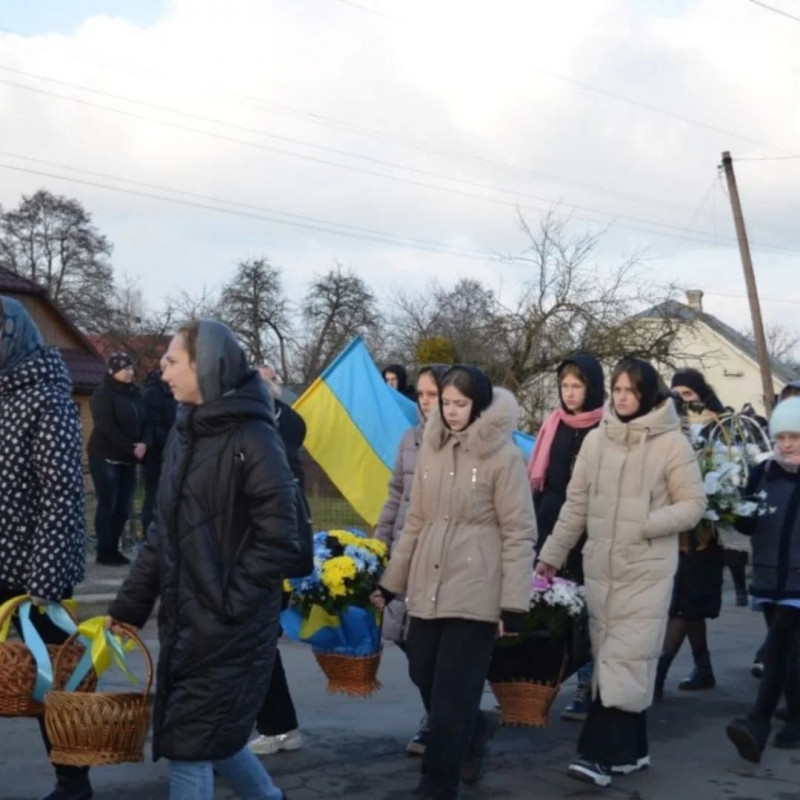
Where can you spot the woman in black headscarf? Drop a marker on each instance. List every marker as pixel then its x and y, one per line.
pixel 42 519
pixel 697 595
pixel 225 530
pixel 636 485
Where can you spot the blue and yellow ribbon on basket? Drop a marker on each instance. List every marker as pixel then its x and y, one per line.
pixel 102 648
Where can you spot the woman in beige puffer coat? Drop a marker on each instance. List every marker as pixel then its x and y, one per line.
pixel 463 563
pixel 635 487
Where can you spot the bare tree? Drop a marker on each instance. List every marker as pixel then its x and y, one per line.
pixel 254 306
pixel 783 344
pixel 50 239
pixel 337 306
pixel 569 305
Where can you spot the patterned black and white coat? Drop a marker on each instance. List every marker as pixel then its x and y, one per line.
pixel 42 519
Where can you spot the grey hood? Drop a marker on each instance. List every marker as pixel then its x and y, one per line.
pixel 221 362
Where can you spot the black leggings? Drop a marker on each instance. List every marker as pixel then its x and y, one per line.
pixel 781 664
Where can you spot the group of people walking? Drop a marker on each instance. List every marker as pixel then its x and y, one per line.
pixel 612 496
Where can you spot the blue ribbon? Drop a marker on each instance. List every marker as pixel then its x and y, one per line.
pixel 35 643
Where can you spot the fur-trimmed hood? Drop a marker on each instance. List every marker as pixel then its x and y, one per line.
pixel 487 434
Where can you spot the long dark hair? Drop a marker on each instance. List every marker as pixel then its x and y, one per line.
pixel 648 385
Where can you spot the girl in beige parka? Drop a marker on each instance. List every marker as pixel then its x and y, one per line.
pixel 635 487
pixel 463 563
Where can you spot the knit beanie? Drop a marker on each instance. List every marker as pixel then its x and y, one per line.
pixel 786 417
pixel 118 361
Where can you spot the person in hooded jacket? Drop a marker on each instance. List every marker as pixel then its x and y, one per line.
pixel 118 442
pixel 775 586
pixel 581 391
pixel 636 485
pixel 42 514
pixel 393 515
pixel 697 593
pixel 225 530
pixel 160 408
pixel 463 563
pixel 396 376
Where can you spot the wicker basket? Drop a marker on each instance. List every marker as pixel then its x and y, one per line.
pixel 526 702
pixel 18 672
pixel 353 675
pixel 101 728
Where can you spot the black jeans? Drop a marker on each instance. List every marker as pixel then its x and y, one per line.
pixel 448 661
pixel 781 664
pixel 613 737
pixel 114 485
pixel 69 779
pixel 277 714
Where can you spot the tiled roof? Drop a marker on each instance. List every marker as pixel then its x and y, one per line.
pixel 676 310
pixel 85 369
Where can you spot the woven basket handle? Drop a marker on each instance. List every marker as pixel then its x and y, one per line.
pixel 131 634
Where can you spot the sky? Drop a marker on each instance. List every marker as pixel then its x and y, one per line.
pixel 400 138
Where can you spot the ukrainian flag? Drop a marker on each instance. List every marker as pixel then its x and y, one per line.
pixel 354 426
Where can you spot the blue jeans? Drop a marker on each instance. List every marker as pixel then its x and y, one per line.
pixel 585 672
pixel 194 780
pixel 114 485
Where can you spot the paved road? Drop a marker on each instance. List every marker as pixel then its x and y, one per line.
pixel 355 748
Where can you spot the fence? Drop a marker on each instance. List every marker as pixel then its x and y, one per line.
pixel 328 508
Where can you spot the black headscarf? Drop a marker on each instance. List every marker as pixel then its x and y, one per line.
pixel 472 383
pixel 221 362
pixel 19 337
pixel 695 380
pixel 646 381
pixel 402 376
pixel 592 371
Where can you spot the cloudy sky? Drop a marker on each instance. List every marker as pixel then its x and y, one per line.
pixel 399 136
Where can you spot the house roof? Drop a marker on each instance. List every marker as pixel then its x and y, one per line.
pixel 86 366
pixel 677 310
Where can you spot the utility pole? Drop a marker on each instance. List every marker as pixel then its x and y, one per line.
pixel 750 280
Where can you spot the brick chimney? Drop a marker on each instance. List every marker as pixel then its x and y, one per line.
pixel 694 297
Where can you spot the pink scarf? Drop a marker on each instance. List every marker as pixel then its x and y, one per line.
pixel 540 459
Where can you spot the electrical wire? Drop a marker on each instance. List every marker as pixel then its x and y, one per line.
pixel 775 10
pixel 516 194
pixel 612 218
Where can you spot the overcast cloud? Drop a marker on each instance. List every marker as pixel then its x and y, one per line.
pixel 412 119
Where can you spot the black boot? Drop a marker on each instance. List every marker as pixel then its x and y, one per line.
pixel 788 737
pixel 474 764
pixel 661 675
pixel 72 783
pixel 701 677
pixel 749 735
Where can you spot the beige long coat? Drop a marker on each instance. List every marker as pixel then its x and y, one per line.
pixel 467 545
pixel 634 488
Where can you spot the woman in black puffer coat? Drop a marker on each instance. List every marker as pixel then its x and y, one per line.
pixel 225 530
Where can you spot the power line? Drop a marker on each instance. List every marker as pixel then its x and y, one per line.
pixel 384 238
pixel 320 119
pixel 775 10
pixel 336 151
pixel 766 158
pixel 612 218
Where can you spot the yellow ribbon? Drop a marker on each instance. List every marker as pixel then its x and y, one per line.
pixel 4 612
pixel 104 645
pixel 317 619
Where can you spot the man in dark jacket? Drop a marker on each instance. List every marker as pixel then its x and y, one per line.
pixel 160 408
pixel 42 522
pixel 118 443
pixel 226 527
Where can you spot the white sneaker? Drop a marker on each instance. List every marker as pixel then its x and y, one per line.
pixel 627 769
pixel 268 745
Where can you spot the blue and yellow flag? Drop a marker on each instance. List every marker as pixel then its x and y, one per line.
pixel 355 423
